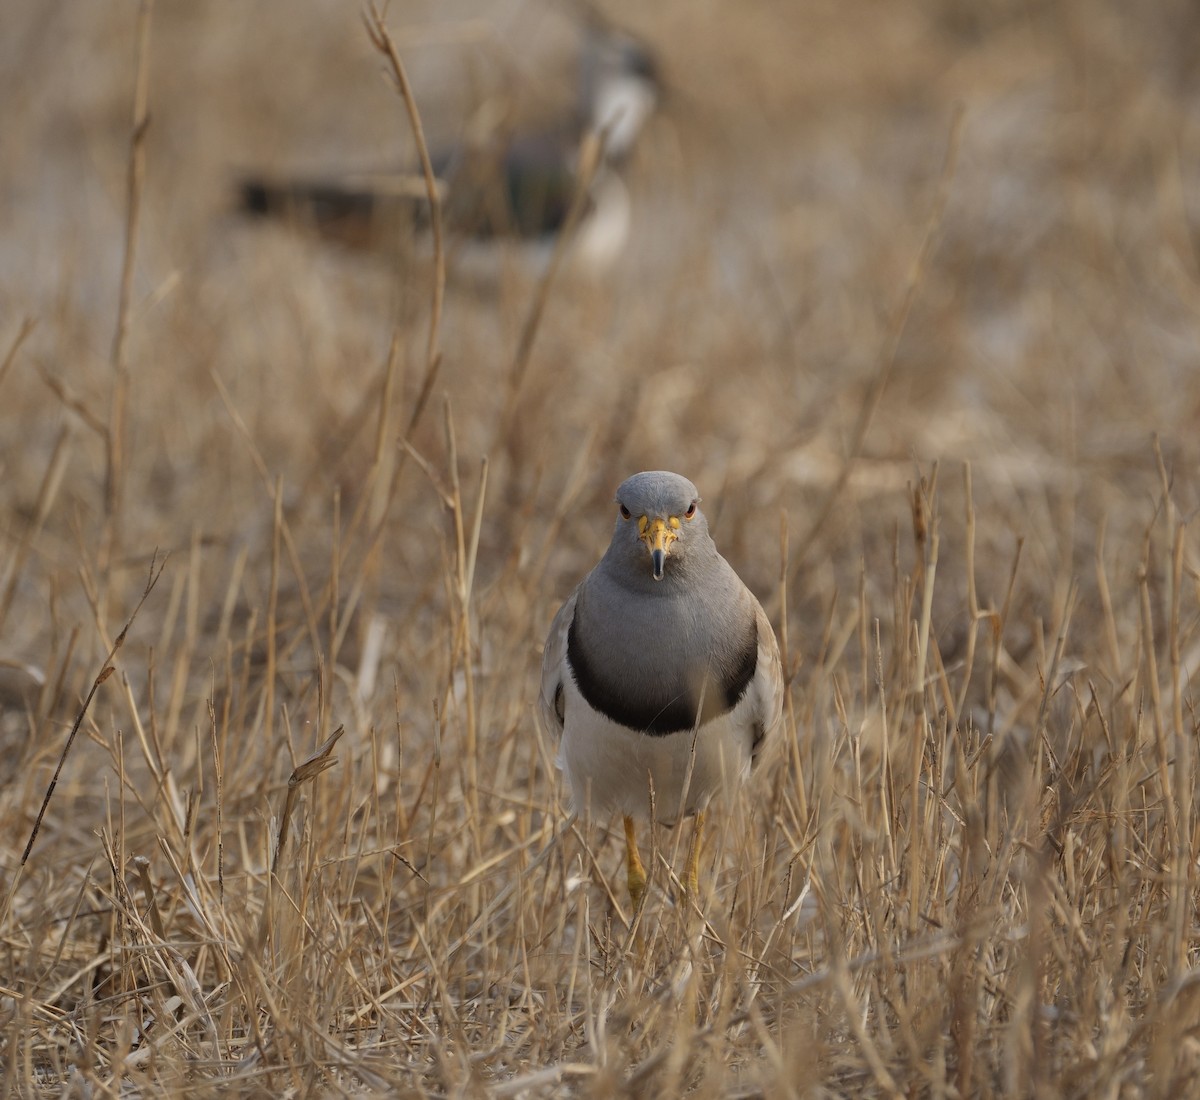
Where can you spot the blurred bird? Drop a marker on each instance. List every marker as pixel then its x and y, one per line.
pixel 507 186
pixel 661 672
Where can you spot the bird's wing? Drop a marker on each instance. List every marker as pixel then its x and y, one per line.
pixel 768 685
pixel 554 668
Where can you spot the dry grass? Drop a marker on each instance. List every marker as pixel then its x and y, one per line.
pixel 953 363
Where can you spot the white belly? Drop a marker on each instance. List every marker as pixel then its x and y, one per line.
pixel 612 768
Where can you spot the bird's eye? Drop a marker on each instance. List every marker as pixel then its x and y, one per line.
pixel 625 512
pixel 691 511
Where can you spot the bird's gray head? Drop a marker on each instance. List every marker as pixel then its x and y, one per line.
pixel 658 519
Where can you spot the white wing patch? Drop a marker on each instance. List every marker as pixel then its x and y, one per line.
pixel 554 668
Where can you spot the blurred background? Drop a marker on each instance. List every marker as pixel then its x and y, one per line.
pixel 780 197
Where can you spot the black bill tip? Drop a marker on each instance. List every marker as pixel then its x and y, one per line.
pixel 659 560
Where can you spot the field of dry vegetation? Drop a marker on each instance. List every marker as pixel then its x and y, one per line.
pixel 913 295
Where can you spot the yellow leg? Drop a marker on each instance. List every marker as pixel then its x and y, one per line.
pixel 691 877
pixel 635 872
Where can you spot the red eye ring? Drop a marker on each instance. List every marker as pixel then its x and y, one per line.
pixel 625 512
pixel 691 511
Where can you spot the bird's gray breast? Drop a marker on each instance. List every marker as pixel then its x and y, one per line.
pixel 658 661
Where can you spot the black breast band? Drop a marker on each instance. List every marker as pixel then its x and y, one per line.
pixel 665 712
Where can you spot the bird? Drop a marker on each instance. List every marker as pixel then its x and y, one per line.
pixel 661 675
pixel 518 186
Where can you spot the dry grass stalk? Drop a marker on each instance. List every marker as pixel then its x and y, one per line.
pixel 107 668
pixel 117 430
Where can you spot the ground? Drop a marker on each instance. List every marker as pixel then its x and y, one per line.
pixel 913 296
